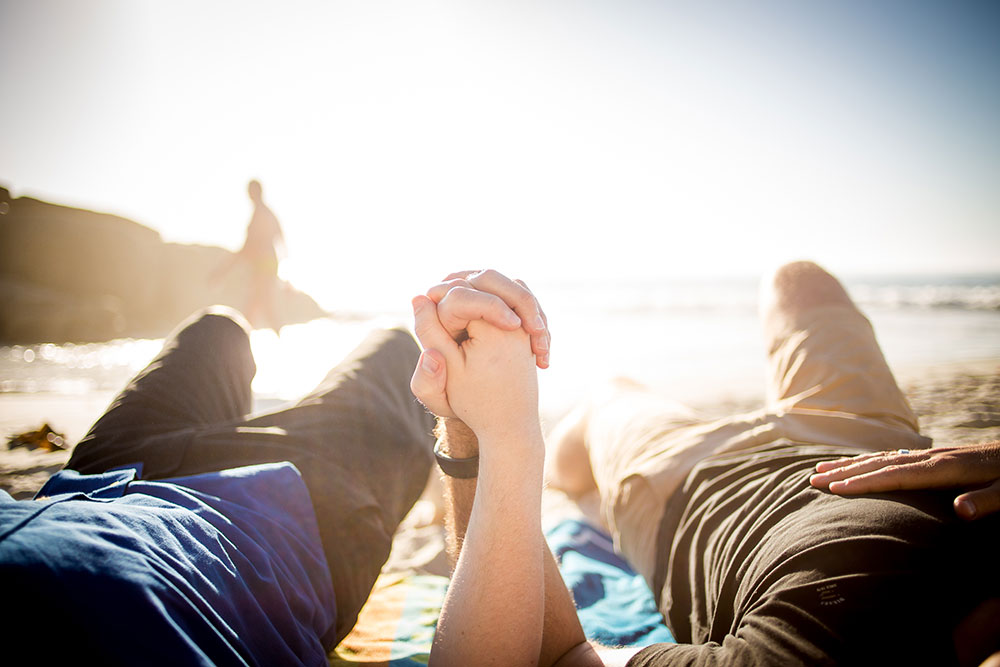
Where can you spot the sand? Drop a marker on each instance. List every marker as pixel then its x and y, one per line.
pixel 23 472
pixel 956 404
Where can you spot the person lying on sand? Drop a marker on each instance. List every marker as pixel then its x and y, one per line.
pixel 748 561
pixel 183 531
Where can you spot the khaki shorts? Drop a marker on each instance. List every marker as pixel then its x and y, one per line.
pixel 828 384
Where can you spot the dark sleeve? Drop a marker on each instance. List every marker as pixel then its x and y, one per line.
pixel 764 642
pixel 667 654
pixel 862 619
pixel 762 639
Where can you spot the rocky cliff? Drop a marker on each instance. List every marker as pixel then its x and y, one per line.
pixel 71 275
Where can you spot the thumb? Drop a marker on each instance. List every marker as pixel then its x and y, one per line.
pixel 428 383
pixel 979 503
pixel 428 329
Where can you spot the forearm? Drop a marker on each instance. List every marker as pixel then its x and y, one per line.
pixel 493 613
pixel 458 441
pixel 561 630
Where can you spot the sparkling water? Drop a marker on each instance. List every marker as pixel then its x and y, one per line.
pixel 698 341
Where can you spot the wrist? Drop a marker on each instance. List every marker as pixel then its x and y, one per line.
pixel 455 438
pixel 458 468
pixel 515 431
pixel 523 446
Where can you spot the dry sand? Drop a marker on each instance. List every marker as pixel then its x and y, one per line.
pixel 956 404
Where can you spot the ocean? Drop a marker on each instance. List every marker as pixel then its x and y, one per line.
pixel 698 341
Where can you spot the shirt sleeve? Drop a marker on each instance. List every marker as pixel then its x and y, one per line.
pixel 830 622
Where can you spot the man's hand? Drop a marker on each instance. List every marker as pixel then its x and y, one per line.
pixel 462 298
pixel 974 469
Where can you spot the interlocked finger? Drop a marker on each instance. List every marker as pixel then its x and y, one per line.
pixel 517 298
pixel 440 290
pixel 515 293
pixel 461 305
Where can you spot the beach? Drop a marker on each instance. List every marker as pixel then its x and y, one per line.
pixel 945 361
pixel 697 342
pixel 955 403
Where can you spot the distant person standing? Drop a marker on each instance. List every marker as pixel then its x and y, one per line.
pixel 260 252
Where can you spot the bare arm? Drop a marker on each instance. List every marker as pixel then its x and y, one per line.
pixel 559 627
pixel 458 441
pixel 562 635
pixel 493 611
pixel 974 469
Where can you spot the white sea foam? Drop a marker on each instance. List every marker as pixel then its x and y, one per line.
pixel 740 295
pixel 966 297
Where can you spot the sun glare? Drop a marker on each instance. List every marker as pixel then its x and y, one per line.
pixel 398 142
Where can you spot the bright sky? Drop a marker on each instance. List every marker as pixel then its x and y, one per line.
pixel 401 140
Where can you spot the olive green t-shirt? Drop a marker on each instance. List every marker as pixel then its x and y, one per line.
pixel 757 567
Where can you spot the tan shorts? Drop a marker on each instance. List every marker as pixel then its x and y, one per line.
pixel 828 383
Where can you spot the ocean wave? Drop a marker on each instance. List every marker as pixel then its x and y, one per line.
pixel 741 298
pixel 965 297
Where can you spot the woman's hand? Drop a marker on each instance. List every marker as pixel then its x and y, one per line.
pixel 974 469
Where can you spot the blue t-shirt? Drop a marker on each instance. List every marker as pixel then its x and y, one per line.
pixel 221 568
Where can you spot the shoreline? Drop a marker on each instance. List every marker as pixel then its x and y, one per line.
pixel 957 403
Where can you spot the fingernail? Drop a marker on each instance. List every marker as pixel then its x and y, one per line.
pixel 416 302
pixel 538 323
pixel 429 364
pixel 966 508
pixel 543 343
pixel 512 319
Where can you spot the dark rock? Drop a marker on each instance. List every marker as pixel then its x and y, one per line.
pixel 72 275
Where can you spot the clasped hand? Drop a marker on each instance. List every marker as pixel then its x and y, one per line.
pixel 482 334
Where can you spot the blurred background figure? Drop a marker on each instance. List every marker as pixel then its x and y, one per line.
pixel 262 251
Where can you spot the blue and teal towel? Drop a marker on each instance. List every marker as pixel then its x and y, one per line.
pixel 615 605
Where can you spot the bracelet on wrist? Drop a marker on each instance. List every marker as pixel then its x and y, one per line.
pixel 467 468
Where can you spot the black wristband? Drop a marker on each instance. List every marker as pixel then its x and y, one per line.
pixel 459 468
